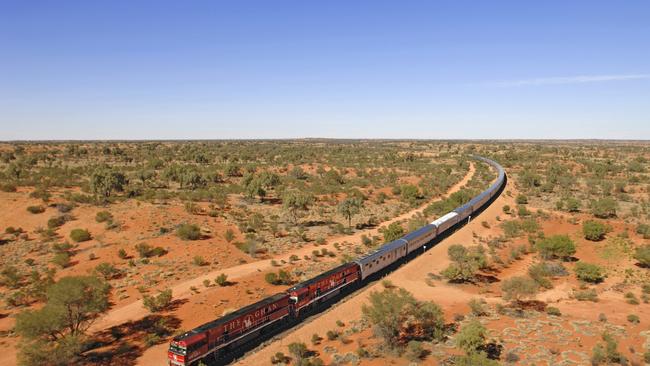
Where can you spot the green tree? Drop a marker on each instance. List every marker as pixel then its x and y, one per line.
pixel 642 254
pixel 589 272
pixel 295 202
pixel 188 232
pixel 350 207
pixel 518 288
pixel 410 194
pixel 471 337
pixel 103 181
pixel 465 263
pixel 159 302
pixel 394 231
pixel 604 208
pixel 594 230
pixel 556 246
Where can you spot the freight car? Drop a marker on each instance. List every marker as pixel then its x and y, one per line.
pixel 222 335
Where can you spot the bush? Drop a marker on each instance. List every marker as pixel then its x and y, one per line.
pixel 589 272
pixel 279 357
pixel 298 350
pixel 159 302
pixel 414 351
pixel 147 251
pixel 604 208
pixel 316 339
pixel 62 259
pixel 521 199
pixel 56 221
pixel 551 310
pixel 199 261
pixel 36 209
pixel 221 280
pixel 518 288
pixel 229 235
pixel 332 335
pixel 465 263
pixel 8 187
pixel 642 254
pixel 281 278
pixel 122 254
pixel 103 216
pixel 556 246
pixel 643 230
pixel 478 307
pixel 594 230
pixel 107 270
pixel 188 232
pixel 79 235
pixel 471 337
pixel 386 308
pixel 633 318
pixel 586 295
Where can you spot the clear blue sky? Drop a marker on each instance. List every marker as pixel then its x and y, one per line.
pixel 281 69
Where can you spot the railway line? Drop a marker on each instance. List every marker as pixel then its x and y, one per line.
pixel 219 341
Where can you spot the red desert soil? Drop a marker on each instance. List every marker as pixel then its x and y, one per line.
pixel 209 306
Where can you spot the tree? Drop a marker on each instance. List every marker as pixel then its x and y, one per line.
pixel 604 208
pixel 394 231
pixel 642 254
pixel 594 230
pixel 349 208
pixel 294 202
pixel 410 194
pixel 518 288
pixel 400 318
pixel 471 337
pixel 589 272
pixel 72 305
pixel 159 302
pixel 465 263
pixel 103 181
pixel 556 246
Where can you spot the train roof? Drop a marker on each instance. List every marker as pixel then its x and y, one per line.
pixel 234 315
pixel 321 276
pixel 419 232
pixel 384 248
pixel 444 218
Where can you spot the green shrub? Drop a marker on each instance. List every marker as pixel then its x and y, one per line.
pixel 122 253
pixel 594 230
pixel 642 254
pixel 551 310
pixel 56 221
pixel 107 270
pixel 188 232
pixel 8 187
pixel 103 216
pixel 36 209
pixel 199 261
pixel 521 199
pixel 633 318
pixel 518 288
pixel 586 295
pixel 556 246
pixel 471 337
pixel 643 230
pixel 604 208
pixel 221 280
pixel 414 351
pixel 79 235
pixel 61 259
pixel 159 302
pixel 589 272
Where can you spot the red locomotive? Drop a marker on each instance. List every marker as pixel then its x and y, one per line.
pixel 322 287
pixel 233 329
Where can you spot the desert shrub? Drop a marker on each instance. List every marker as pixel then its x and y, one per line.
pixel 471 337
pixel 79 235
pixel 64 207
pixel 388 311
pixel 159 302
pixel 633 318
pixel 643 230
pixel 332 335
pixel 61 259
pixel 221 280
pixel 512 357
pixel 394 231
pixel 521 199
pixel 594 230
pixel 631 298
pixel 518 288
pixel 107 270
pixel 147 251
pixel 604 208
pixel 281 278
pixel 11 277
pixel 36 209
pixel 556 246
pixel 589 272
pixel 199 261
pixel 279 357
pixel 506 209
pixel 465 263
pixel 188 232
pixel 477 306
pixel 551 310
pixel 298 350
pixel 414 351
pixel 586 295
pixel 8 187
pixel 316 339
pixel 122 253
pixel 229 235
pixel 56 221
pixel 646 357
pixel 642 254
pixel 103 216
pixel 474 359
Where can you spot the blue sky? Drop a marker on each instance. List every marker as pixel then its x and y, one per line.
pixel 345 69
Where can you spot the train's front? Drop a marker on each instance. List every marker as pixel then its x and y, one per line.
pixel 177 353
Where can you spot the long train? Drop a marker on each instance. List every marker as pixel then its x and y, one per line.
pixel 225 334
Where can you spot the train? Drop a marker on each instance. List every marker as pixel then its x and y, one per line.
pixel 225 334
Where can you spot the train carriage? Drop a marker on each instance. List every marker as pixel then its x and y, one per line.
pixel 445 222
pixel 323 286
pixel 382 257
pixel 419 237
